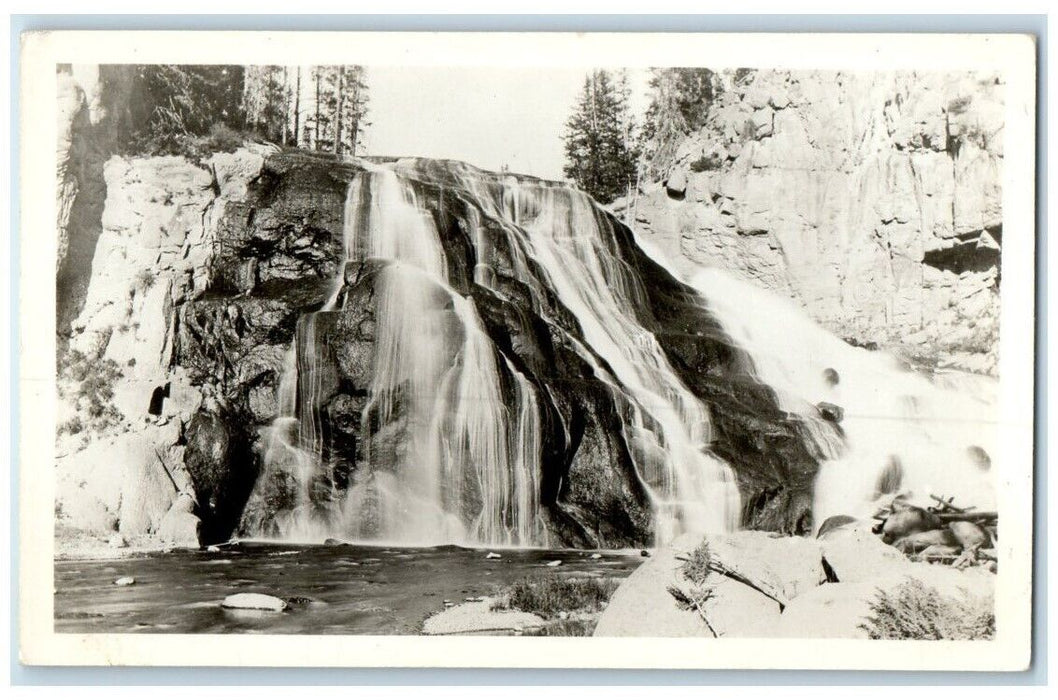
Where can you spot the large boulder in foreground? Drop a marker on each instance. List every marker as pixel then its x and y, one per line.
pixel 648 589
pixel 761 585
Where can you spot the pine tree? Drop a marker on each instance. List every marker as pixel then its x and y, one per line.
pixel 265 100
pixel 601 151
pixel 354 109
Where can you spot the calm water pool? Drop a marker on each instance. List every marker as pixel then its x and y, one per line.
pixel 342 589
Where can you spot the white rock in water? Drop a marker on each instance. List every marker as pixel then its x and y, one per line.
pixel 254 601
pixel 492 555
pixel 596 556
pixel 125 581
pixel 556 562
pixel 212 549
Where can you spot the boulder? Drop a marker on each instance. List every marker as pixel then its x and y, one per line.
pixel 642 605
pixel 909 520
pixel 833 610
pixel 921 540
pixel 734 609
pixel 835 522
pixel 782 567
pixel 180 527
pixel 854 554
pixel 676 185
pixel 969 535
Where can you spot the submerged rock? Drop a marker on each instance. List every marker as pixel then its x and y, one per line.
pixel 831 412
pixel 254 601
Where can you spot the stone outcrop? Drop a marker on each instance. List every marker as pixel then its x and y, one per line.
pixel 761 585
pixel 872 200
pixel 143 457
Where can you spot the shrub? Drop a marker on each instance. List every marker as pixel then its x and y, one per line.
pixel 547 597
pixel 144 279
pixel 91 389
pixel 915 611
pixel 698 565
pixel 73 426
pixel 713 161
pixel 959 105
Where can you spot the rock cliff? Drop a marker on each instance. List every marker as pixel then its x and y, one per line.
pixel 873 200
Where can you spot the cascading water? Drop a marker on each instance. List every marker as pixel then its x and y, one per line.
pixel 666 426
pixel 451 429
pixel 450 456
pixel 903 432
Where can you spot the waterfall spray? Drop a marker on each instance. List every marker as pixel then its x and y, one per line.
pixel 904 433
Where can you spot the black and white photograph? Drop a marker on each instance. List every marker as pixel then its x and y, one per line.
pixel 715 352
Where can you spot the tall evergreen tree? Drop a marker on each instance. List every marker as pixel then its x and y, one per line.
pixel 265 100
pixel 601 150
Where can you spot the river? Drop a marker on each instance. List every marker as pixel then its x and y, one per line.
pixel 341 589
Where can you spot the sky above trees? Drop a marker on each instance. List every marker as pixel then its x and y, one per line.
pixel 489 117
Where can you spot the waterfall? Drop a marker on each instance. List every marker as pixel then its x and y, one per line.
pixel 451 425
pixel 904 433
pixel 451 430
pixel 667 427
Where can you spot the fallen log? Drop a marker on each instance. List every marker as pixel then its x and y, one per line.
pixel 968 515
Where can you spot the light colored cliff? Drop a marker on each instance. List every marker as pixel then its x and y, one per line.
pixel 873 200
pixel 121 463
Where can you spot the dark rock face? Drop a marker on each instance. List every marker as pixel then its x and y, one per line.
pixel 280 251
pixel 774 457
pixel 222 472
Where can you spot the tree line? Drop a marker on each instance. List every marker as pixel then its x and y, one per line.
pixel 321 108
pixel 607 152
